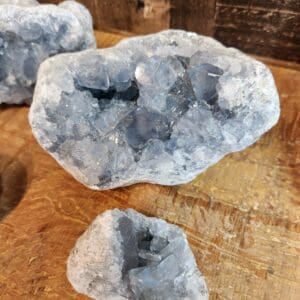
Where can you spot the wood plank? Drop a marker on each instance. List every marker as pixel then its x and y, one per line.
pixel 131 15
pixel 257 27
pixel 193 15
pixel 261 21
pixel 241 216
pixel 253 43
pixel 139 16
pixel 291 5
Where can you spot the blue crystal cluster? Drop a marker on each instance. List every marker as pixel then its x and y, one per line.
pixel 159 108
pixel 29 34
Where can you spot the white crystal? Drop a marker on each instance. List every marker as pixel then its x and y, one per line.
pixel 29 34
pixel 126 255
pixel 160 108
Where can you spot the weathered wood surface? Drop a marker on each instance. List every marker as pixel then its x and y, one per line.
pixel 193 15
pixel 263 27
pixel 139 16
pixel 242 216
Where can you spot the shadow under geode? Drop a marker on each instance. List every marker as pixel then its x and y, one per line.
pixel 13 183
pixel 5 106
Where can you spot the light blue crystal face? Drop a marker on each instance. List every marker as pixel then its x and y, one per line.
pixel 156 266
pixel 30 33
pixel 160 108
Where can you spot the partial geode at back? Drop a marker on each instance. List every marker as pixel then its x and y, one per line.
pixel 160 108
pixel 30 33
pixel 126 255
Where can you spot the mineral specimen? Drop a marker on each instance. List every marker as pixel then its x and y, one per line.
pixel 30 33
pixel 20 2
pixel 160 108
pixel 126 255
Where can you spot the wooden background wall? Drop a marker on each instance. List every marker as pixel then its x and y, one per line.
pixel 263 27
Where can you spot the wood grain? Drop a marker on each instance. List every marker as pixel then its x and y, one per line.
pixel 268 28
pixel 242 216
pixel 139 16
pixel 193 15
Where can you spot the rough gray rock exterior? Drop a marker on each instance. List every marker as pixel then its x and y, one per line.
pixel 20 2
pixel 160 108
pixel 30 33
pixel 126 255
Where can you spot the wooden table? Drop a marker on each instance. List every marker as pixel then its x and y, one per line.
pixel 241 216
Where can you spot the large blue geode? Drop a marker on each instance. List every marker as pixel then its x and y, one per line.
pixel 159 108
pixel 30 33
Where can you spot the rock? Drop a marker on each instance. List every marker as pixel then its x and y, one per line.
pixel 126 255
pixel 30 33
pixel 20 2
pixel 160 108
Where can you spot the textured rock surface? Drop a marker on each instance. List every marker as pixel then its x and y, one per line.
pixel 30 33
pixel 160 108
pixel 126 255
pixel 20 2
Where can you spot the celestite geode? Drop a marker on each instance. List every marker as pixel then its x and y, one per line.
pixel 160 108
pixel 126 255
pixel 29 34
